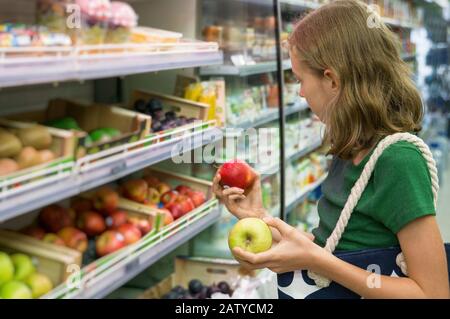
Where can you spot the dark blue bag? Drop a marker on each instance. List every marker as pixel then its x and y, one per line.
pixel 298 285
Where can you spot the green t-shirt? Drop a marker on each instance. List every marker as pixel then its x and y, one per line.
pixel 398 192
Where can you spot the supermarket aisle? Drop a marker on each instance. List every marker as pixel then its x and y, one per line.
pixel 443 215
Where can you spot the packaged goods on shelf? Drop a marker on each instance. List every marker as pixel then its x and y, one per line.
pixel 121 23
pixel 211 93
pixel 22 36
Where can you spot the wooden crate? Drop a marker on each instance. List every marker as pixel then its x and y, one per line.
pixel 181 106
pixel 207 270
pixel 134 126
pixel 52 260
pixel 63 146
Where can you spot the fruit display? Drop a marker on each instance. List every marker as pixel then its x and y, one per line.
pixel 161 120
pixel 97 127
pixel 22 148
pixel 236 173
pixel 197 290
pixel 251 234
pixel 175 202
pixel 19 279
pixel 94 225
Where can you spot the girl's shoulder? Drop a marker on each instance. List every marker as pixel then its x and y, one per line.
pixel 401 153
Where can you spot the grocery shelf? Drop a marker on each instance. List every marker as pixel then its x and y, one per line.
pixel 272 169
pixel 270 115
pixel 302 3
pixel 399 23
pixel 105 275
pixel 26 71
pixel 92 171
pixel 298 198
pixel 244 70
pixel 314 5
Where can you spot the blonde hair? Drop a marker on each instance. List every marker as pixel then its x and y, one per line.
pixel 377 95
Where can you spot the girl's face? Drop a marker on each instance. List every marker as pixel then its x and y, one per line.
pixel 319 91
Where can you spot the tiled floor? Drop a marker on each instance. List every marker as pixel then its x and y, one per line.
pixel 443 212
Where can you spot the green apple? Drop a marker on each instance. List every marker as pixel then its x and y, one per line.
pixel 23 266
pixel 6 268
pixel 15 290
pixel 251 234
pixel 40 284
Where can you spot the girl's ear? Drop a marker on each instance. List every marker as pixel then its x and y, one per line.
pixel 332 80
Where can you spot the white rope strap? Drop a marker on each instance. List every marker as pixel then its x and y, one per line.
pixel 361 184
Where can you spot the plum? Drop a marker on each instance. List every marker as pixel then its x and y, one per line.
pixel 170 115
pixel 191 120
pixel 154 105
pixel 170 295
pixel 212 290
pixel 159 115
pixel 140 106
pixel 203 294
pixel 156 126
pixel 179 290
pixel 224 287
pixel 195 286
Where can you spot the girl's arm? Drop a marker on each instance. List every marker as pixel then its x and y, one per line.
pixel 426 261
pixel 421 244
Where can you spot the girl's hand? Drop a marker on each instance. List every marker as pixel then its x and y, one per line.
pixel 294 251
pixel 239 204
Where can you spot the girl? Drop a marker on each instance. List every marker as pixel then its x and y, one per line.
pixel 354 80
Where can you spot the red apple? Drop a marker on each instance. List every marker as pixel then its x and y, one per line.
pixel 53 239
pixel 175 209
pixel 153 196
pixel 115 219
pixel 186 203
pixel 53 218
pixel 74 238
pixel 151 181
pixel 198 198
pixel 183 189
pixel 34 231
pixel 143 225
pixel 168 218
pixel 92 223
pixel 163 187
pixel 80 205
pixel 236 173
pixel 131 233
pixel 136 190
pixel 106 200
pixel 169 197
pixel 109 242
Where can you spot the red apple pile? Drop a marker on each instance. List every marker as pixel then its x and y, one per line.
pixel 152 192
pixel 98 219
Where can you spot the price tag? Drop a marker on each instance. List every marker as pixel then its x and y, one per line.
pixel 119 168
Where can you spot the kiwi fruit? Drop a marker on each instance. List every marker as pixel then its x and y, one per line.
pixel 8 166
pixel 10 145
pixel 35 136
